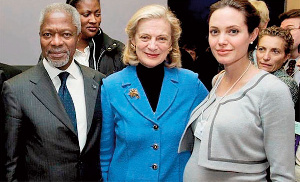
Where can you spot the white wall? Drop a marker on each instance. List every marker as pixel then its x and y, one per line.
pixel 19 26
pixel 116 13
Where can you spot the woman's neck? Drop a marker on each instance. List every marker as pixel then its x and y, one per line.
pixel 151 80
pixel 233 72
pixel 145 71
pixel 82 44
pixel 236 76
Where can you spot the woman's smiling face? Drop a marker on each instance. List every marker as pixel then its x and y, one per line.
pixel 152 41
pixel 229 38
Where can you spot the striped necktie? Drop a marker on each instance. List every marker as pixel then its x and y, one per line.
pixel 291 67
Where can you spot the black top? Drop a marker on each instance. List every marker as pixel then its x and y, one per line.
pixel 151 80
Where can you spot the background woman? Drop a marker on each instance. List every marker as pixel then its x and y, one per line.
pixel 147 105
pixel 96 49
pixel 273 49
pixel 246 124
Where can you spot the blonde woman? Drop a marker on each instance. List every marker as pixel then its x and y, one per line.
pixel 147 105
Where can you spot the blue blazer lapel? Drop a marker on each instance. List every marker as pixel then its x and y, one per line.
pixel 141 103
pixel 168 92
pixel 45 92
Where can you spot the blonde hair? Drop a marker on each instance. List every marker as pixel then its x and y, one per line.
pixel 153 11
pixel 263 12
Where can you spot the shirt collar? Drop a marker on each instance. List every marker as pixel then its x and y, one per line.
pixel 53 72
pixel 294 59
pixel 85 50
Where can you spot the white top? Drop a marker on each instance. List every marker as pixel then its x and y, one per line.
pixel 83 57
pixel 75 86
pixel 296 75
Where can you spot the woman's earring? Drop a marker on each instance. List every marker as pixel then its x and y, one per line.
pixel 132 46
pixel 251 42
pixel 170 49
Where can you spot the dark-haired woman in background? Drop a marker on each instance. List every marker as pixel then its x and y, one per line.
pixel 273 49
pixel 96 49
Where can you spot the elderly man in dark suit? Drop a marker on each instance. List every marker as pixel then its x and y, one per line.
pixel 53 114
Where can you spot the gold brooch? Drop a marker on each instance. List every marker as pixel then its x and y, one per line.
pixel 134 93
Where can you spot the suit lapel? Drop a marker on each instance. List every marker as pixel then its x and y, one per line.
pixel 168 92
pixel 140 104
pixel 45 92
pixel 90 91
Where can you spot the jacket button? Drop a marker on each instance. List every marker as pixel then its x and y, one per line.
pixel 154 166
pixel 109 48
pixel 155 127
pixel 155 146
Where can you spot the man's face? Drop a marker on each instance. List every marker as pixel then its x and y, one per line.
pixel 294 25
pixel 58 37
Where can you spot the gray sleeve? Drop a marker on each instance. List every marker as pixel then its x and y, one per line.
pixel 278 122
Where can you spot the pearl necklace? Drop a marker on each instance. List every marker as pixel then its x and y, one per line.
pixel 233 83
pixel 200 125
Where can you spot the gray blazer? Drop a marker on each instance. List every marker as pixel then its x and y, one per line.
pixel 41 144
pixel 248 131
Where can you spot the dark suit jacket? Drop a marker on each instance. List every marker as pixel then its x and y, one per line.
pixel 6 72
pixel 41 144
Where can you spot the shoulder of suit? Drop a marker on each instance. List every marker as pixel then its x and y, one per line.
pixel 9 71
pixel 120 76
pixel 90 71
pixel 24 78
pixel 185 74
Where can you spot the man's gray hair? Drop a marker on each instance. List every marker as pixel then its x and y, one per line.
pixel 62 7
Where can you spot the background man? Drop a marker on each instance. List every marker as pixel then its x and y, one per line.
pixel 291 20
pixel 6 72
pixel 50 136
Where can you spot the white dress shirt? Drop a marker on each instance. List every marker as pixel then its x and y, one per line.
pixel 83 57
pixel 75 86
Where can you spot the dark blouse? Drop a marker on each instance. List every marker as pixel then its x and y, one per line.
pixel 151 80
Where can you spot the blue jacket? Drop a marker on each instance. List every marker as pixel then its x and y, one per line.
pixel 138 144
